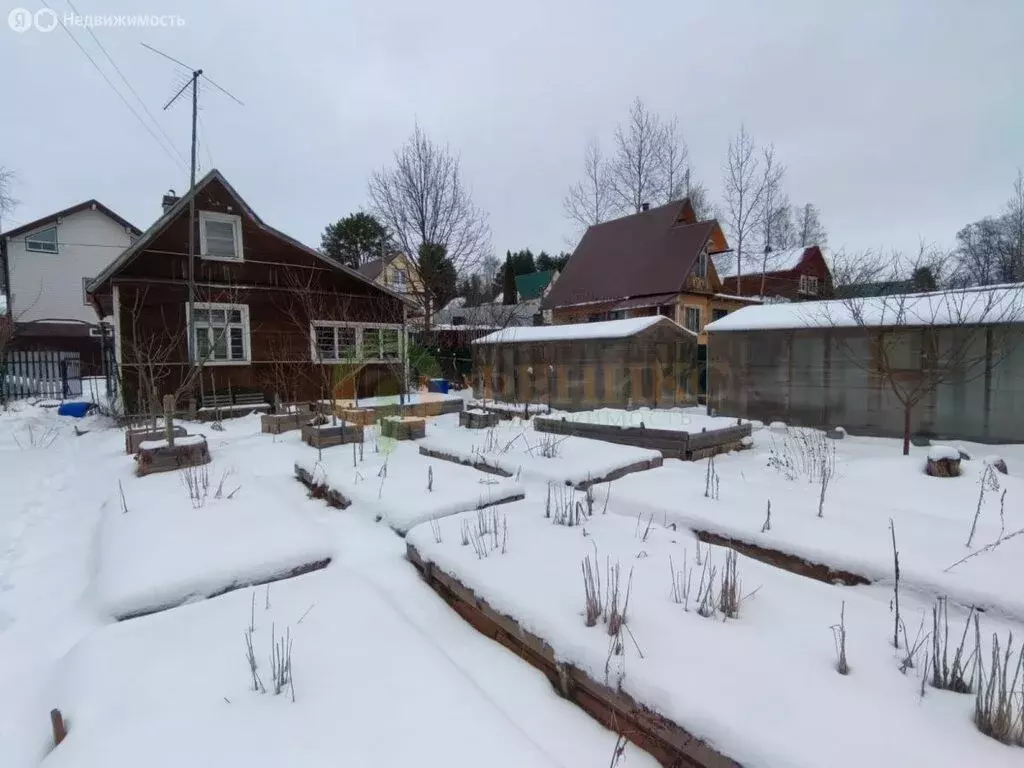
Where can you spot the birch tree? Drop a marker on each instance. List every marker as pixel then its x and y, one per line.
pixel 809 229
pixel 771 209
pixel 636 173
pixel 588 201
pixel 744 195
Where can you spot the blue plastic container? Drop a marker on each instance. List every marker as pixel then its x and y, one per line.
pixel 76 409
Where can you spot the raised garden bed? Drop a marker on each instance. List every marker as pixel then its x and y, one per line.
pixel 669 744
pixel 684 664
pixel 507 411
pixel 276 423
pixel 158 456
pixel 401 487
pixel 326 435
pixel 373 412
pixel 477 419
pixel 673 443
pixel 403 427
pixel 133 438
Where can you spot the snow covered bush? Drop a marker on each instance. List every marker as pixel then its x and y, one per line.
pixel 999 705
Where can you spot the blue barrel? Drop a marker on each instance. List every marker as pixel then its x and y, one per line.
pixel 439 386
pixel 76 409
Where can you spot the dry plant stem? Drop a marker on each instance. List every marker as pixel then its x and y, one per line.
pixel 999 703
pixel 591 591
pixel 987 548
pixel 768 519
pixel 124 502
pixel 944 676
pixel 839 637
pixel 896 586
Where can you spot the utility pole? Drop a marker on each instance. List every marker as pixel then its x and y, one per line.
pixel 194 82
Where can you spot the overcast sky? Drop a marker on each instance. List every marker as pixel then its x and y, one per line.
pixel 899 120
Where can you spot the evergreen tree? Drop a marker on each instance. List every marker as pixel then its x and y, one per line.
pixel 438 274
pixel 509 286
pixel 356 239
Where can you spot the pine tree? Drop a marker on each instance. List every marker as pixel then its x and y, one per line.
pixel 509 285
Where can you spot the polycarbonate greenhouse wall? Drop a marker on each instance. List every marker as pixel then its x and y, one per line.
pixel 828 377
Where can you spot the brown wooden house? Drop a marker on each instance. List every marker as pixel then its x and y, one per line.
pixel 654 262
pixel 797 274
pixel 269 315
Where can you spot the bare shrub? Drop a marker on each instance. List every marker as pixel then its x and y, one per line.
pixel 281 662
pixel 839 637
pixel 567 506
pixel 250 654
pixel 37 438
pixel 707 600
pixel 196 480
pixel 999 704
pixel 616 613
pixel 682 582
pixel 711 479
pixel 489 533
pixel 550 445
pixel 945 675
pixel 802 453
pixel 729 596
pixel 219 493
pixel 911 651
pixel 989 482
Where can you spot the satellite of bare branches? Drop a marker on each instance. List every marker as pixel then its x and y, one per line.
pixel 7 201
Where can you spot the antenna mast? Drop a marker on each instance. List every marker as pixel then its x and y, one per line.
pixel 194 82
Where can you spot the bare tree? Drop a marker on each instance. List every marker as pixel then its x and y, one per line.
pixel 7 201
pixel 637 171
pixel 588 201
pixel 859 267
pixel 422 200
pixel 912 343
pixel 744 195
pixel 674 163
pixel 809 229
pixel 771 183
pixel 1014 222
pixel 698 196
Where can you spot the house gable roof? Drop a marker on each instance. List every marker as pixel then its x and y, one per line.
pixel 646 253
pixel 532 285
pixel 147 237
pixel 774 262
pixel 87 205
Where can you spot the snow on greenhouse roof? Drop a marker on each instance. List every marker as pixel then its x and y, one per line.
pixel 606 329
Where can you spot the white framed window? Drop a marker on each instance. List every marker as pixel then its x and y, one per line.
pixel 691 319
pixel 220 236
pixel 221 334
pixel 344 342
pixel 809 284
pixel 42 241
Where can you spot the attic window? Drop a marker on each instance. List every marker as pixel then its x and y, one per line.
pixel 220 236
pixel 43 241
pixel 809 284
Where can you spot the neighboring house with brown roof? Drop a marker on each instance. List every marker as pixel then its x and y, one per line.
pixel 797 274
pixel 654 262
pixel 269 315
pixel 44 266
pixel 397 273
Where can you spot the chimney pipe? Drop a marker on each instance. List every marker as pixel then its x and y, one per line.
pixel 645 206
pixel 169 200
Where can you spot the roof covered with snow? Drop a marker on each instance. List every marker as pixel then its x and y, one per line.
pixel 971 306
pixel 606 329
pixel 776 261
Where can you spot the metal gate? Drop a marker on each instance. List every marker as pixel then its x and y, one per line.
pixel 40 373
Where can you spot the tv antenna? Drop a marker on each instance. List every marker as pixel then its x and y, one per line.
pixel 193 81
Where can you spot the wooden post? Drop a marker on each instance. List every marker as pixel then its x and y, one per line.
pixel 169 418
pixel 59 729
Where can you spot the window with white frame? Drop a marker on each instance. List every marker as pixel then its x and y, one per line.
pixel 809 284
pixel 221 333
pixel 691 319
pixel 220 236
pixel 341 342
pixel 42 241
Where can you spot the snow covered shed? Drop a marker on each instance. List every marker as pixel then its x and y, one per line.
pixel 640 361
pixel 946 363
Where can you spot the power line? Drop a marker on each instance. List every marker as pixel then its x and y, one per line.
pixel 114 88
pixel 206 141
pixel 130 88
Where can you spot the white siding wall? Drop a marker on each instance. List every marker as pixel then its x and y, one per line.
pixel 48 286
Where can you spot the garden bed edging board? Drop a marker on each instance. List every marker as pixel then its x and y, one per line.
pixel 666 741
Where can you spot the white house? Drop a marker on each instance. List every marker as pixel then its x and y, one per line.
pixel 44 266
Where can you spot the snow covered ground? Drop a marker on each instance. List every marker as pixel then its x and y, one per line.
pixel 384 672
pixel 694 419
pixel 516 448
pixel 405 488
pixel 761 687
pixel 871 483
